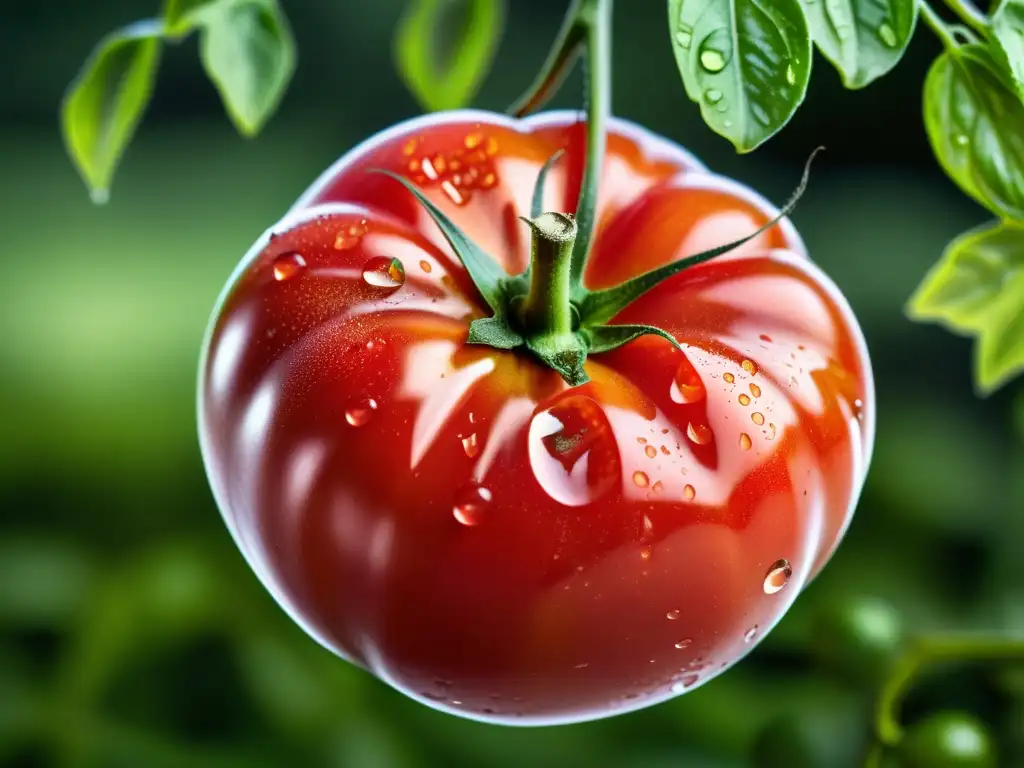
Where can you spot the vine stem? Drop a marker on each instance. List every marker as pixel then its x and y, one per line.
pixel 969 14
pixel 587 27
pixel 938 26
pixel 931 650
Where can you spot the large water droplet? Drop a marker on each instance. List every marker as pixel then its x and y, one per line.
pixel 687 386
pixel 887 35
pixel 749 366
pixel 745 442
pixel 684 643
pixel 744 399
pixel 573 451
pixel 712 59
pixel 360 411
pixel 728 378
pixel 699 433
pixel 777 576
pixel 651 451
pixel 757 417
pixel 471 503
pixel 641 479
pixel 750 634
pixel 288 265
pixel 382 272
pixel 673 614
pixel 712 95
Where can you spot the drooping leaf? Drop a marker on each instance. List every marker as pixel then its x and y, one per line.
pixel 179 15
pixel 1008 39
pixel 746 62
pixel 444 48
pixel 974 118
pixel 248 53
pixel 977 289
pixel 864 39
pixel 105 103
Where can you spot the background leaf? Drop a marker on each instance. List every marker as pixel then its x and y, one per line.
pixel 105 103
pixel 973 119
pixel 864 39
pixel 444 48
pixel 248 52
pixel 178 14
pixel 1008 39
pixel 977 288
pixel 747 63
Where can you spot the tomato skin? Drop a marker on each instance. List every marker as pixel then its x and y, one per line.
pixel 458 520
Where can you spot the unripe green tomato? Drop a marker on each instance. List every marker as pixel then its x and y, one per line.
pixel 948 740
pixel 859 638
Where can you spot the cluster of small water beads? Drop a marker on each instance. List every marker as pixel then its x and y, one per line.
pixel 458 172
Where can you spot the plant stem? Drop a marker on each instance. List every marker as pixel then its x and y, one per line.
pixel 930 650
pixel 587 26
pixel 547 310
pixel 969 14
pixel 933 20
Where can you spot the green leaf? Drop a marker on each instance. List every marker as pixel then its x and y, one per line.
pixel 105 103
pixel 973 119
pixel 179 14
pixel 605 338
pixel 444 48
pixel 1008 39
pixel 248 52
pixel 977 289
pixel 864 39
pixel 746 62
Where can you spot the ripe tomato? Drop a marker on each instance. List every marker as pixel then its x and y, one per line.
pixel 456 518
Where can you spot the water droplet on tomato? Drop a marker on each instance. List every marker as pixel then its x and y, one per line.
pixel 745 442
pixel 471 503
pixel 425 266
pixel 288 265
pixel 755 390
pixel 749 366
pixel 728 378
pixel 651 451
pixel 473 140
pixel 658 487
pixel 641 479
pixel 410 147
pixel 684 643
pixel 459 197
pixel 699 433
pixel 382 272
pixel 757 417
pixel 689 492
pixel 744 399
pixel 687 386
pixel 765 337
pixel 573 452
pixel 471 445
pixel 673 614
pixel 750 634
pixel 360 411
pixel 777 576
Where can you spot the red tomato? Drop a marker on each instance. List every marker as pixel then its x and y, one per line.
pixel 456 518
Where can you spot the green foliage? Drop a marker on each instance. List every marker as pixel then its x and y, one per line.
pixel 746 63
pixel 444 48
pixel 948 740
pixel 106 101
pixel 977 289
pixel 864 39
pixel 1008 39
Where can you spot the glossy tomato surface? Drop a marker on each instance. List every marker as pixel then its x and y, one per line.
pixel 460 521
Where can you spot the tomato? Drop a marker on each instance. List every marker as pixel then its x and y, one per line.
pixel 460 521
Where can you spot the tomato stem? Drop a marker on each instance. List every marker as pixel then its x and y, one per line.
pixel 546 310
pixel 931 650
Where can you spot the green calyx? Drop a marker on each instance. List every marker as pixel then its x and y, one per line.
pixel 546 310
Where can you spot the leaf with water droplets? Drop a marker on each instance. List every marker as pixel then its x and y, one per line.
pixel 444 48
pixel 1008 40
pixel 864 39
pixel 977 289
pixel 248 53
pixel 745 62
pixel 106 101
pixel 973 118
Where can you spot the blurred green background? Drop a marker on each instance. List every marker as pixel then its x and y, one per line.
pixel 132 634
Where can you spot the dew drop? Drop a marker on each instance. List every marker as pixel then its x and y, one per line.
pixel 684 36
pixel 750 634
pixel 686 642
pixel 573 452
pixel 765 337
pixel 488 181
pixel 645 553
pixel 359 412
pixel 382 272
pixel 744 399
pixel 712 95
pixel 410 147
pixel 491 146
pixel 425 266
pixel 473 140
pixel 712 59
pixel 687 386
pixel 470 445
pixel 960 140
pixel 454 194
pixel 673 614
pixel 757 417
pixel 699 433
pixel 288 265
pixel 641 479
pixel 887 35
pixel 658 487
pixel 777 576
pixel 689 492
pixel 728 378
pixel 745 442
pixel 651 451
pixel 755 390
pixel 470 504
pixel 749 366
pixel 727 123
